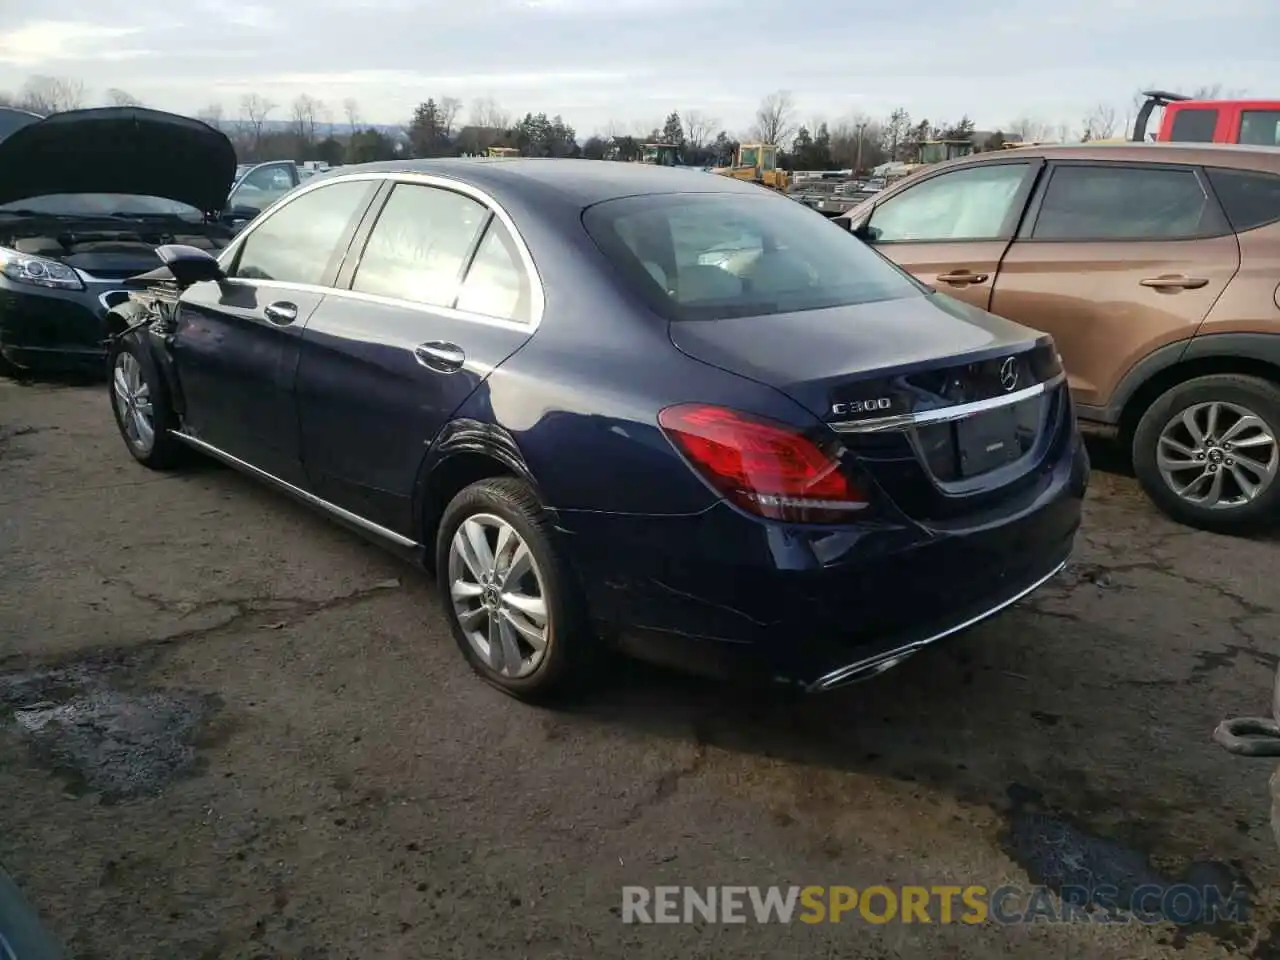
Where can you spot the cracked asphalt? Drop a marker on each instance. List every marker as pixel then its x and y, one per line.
pixel 231 729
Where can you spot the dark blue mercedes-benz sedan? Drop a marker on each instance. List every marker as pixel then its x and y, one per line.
pixel 615 405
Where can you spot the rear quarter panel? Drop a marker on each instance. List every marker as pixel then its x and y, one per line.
pixel 1251 302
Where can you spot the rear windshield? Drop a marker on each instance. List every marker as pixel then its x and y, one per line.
pixel 720 255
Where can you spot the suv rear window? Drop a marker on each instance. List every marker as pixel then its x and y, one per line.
pixel 719 255
pixel 1249 199
pixel 1193 125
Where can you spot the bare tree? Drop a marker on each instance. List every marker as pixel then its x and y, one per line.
pixel 775 118
pixel 447 110
pixel 699 127
pixel 1211 91
pixel 212 115
pixel 122 98
pixel 45 95
pixel 256 108
pixel 305 111
pixel 485 112
pixel 1029 129
pixel 1099 123
pixel 352 111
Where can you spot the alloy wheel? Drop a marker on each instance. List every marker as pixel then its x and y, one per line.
pixel 498 595
pixel 133 403
pixel 1217 455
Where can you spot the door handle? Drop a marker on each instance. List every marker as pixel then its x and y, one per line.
pixel 962 277
pixel 440 356
pixel 281 313
pixel 1175 282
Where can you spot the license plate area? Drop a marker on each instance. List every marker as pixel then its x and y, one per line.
pixel 986 441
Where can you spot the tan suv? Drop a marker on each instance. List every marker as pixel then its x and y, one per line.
pixel 1156 268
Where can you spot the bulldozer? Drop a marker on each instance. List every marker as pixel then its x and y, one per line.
pixel 757 162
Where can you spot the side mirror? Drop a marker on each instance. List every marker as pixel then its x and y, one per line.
pixel 189 265
pixel 864 231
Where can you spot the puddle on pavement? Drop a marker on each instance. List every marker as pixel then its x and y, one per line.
pixel 1061 854
pixel 101 736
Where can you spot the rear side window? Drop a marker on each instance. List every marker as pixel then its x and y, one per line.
pixel 1249 199
pixel 1125 203
pixel 1194 125
pixel 497 284
pixel 1260 128
pixel 418 248
pixel 714 256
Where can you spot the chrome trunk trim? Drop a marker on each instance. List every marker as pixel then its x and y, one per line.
pixel 960 411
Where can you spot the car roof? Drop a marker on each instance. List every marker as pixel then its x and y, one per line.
pixel 1238 156
pixel 577 182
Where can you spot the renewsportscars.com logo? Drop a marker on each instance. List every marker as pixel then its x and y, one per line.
pixel 1181 904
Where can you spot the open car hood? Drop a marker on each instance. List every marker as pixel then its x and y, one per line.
pixel 130 150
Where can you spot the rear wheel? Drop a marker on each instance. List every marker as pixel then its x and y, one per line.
pixel 1207 452
pixel 511 601
pixel 141 406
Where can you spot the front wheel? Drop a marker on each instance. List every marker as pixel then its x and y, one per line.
pixel 1207 452
pixel 141 406
pixel 511 601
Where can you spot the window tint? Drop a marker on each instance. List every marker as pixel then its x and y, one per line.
pixel 712 256
pixel 497 284
pixel 1260 128
pixel 418 247
pixel 1194 125
pixel 1124 203
pixel 970 204
pixel 295 243
pixel 1249 199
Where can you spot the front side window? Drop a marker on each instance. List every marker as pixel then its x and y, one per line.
pixel 418 248
pixel 715 256
pixel 1124 203
pixel 1194 125
pixel 262 187
pixel 970 204
pixel 497 284
pixel 296 243
pixel 1260 128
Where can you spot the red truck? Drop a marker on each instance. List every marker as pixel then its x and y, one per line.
pixel 1253 122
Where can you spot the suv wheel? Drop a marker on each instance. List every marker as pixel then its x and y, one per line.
pixel 1207 451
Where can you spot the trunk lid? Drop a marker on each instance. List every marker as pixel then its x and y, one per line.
pixel 950 409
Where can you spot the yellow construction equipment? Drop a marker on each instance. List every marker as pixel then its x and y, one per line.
pixel 504 152
pixel 757 162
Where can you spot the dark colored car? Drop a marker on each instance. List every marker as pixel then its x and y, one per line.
pixel 85 198
pixel 616 403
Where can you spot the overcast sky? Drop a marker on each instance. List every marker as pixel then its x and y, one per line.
pixel 632 61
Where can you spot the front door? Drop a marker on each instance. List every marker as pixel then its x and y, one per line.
pixel 1114 261
pixel 438 297
pixel 951 230
pixel 237 341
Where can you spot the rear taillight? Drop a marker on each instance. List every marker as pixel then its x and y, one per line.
pixel 766 467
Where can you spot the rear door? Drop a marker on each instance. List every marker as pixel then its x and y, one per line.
pixel 438 292
pixel 951 230
pixel 1115 260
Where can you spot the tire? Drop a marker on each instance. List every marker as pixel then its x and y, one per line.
pixel 1232 395
pixel 568 647
pixel 132 371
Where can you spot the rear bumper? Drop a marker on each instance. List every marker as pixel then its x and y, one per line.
pixel 724 594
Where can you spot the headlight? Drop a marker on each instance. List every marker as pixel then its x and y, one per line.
pixel 39 271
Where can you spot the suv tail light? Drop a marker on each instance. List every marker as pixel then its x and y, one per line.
pixel 767 468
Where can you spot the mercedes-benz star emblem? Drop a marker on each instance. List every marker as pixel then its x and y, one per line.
pixel 1009 374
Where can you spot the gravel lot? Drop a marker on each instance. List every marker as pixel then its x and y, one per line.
pixel 231 729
